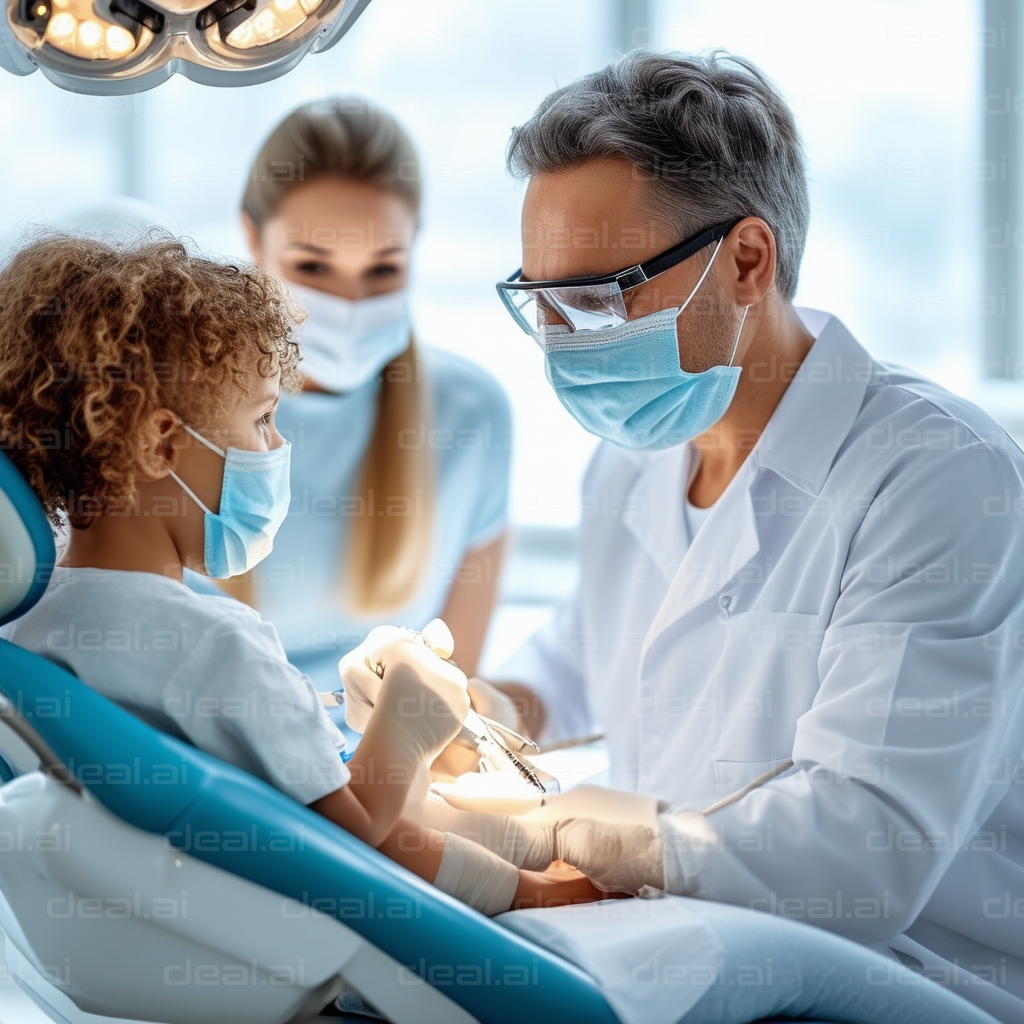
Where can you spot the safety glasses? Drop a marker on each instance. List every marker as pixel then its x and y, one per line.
pixel 594 303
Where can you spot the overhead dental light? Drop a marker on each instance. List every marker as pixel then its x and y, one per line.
pixel 115 47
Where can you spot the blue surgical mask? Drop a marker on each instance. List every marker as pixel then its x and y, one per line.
pixel 254 500
pixel 625 383
pixel 346 343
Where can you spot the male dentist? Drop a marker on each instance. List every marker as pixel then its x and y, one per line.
pixel 800 614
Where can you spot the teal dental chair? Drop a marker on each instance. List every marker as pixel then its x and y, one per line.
pixel 141 878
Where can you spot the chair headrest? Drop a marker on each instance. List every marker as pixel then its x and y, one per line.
pixel 27 551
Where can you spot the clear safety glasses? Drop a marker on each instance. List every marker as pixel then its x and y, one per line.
pixel 114 47
pixel 594 303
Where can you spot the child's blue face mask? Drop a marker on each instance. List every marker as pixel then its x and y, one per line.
pixel 625 383
pixel 254 500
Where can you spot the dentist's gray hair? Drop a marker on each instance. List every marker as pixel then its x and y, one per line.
pixel 709 134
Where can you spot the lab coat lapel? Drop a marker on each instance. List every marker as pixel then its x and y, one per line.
pixel 827 393
pixel 724 544
pixel 653 511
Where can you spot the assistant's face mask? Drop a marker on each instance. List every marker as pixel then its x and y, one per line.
pixel 625 383
pixel 346 343
pixel 254 500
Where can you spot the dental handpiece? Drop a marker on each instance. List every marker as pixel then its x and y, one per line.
pixel 494 743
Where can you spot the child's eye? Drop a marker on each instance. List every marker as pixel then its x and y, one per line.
pixel 265 419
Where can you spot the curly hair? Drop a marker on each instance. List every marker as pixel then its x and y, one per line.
pixel 94 337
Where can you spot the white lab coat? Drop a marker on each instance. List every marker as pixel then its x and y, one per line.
pixel 855 602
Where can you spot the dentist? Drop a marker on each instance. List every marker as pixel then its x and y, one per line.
pixel 800 609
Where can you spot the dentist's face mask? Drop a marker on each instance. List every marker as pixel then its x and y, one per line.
pixel 345 343
pixel 625 384
pixel 254 500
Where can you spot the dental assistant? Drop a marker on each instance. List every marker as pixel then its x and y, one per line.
pixel 401 454
pixel 801 569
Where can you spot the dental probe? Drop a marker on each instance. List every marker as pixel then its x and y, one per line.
pixel 784 766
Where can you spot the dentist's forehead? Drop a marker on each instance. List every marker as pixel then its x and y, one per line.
pixel 591 219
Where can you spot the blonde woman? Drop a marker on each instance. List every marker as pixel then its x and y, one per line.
pixel 400 454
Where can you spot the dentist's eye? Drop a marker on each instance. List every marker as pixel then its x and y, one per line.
pixel 384 270
pixel 312 267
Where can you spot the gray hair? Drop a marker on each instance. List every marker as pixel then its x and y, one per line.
pixel 712 136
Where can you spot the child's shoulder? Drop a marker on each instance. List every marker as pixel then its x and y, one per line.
pixel 90 615
pixel 127 596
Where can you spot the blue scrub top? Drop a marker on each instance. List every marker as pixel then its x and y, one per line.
pixel 471 438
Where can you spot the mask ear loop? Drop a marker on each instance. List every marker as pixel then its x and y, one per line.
pixel 202 440
pixel 736 345
pixel 700 280
pixel 181 483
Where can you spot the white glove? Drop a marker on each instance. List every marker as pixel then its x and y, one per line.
pixel 420 703
pixel 616 858
pixel 612 836
pixel 494 792
pixel 493 703
pixel 597 830
pixel 358 669
pixel 526 846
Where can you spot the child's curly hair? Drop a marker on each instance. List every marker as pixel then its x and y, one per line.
pixel 93 337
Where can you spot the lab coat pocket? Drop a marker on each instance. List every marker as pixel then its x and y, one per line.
pixel 766 678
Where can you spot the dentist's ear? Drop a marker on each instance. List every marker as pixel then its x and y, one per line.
pixel 158 453
pixel 750 262
pixel 252 236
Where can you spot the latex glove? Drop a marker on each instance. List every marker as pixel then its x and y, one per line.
pixel 493 703
pixel 616 858
pixel 420 703
pixel 360 680
pixel 494 792
pixel 561 830
pixel 612 836
pixel 525 846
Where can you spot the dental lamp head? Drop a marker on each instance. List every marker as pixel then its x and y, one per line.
pixel 117 47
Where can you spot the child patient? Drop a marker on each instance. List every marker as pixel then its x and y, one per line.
pixel 137 393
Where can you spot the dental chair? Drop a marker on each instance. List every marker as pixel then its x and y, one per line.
pixel 141 878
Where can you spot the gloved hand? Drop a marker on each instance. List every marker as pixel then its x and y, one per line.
pixel 526 846
pixel 504 792
pixel 612 836
pixel 420 703
pixel 493 703
pixel 358 669
pixel 616 858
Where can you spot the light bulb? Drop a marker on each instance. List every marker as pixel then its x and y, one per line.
pixel 274 21
pixel 266 24
pixel 119 40
pixel 242 36
pixel 89 34
pixel 61 26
